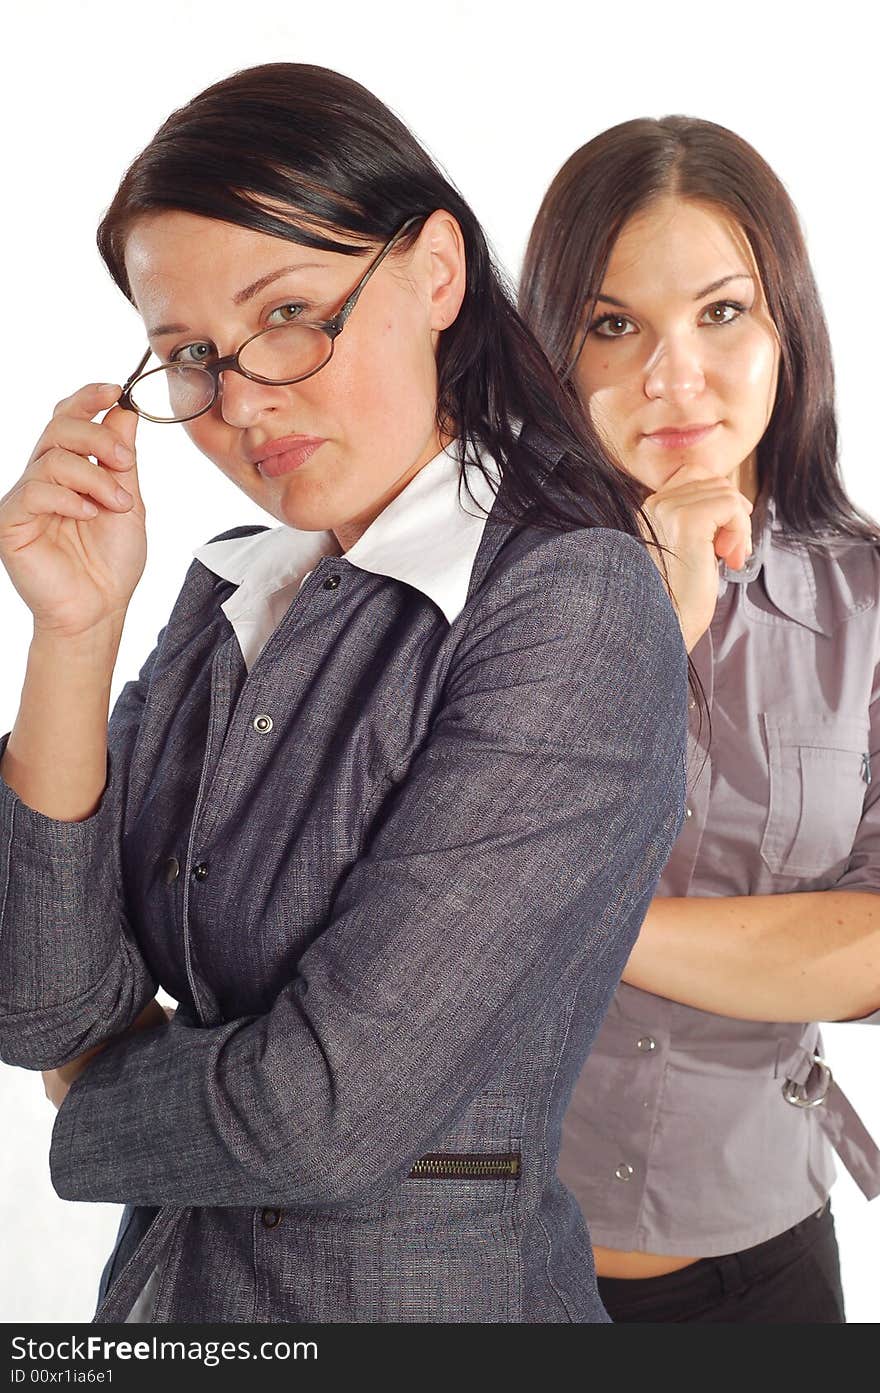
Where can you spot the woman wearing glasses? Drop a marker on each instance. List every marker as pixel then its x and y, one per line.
pixel 668 278
pixel 386 761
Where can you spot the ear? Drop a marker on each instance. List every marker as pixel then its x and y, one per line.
pixel 441 245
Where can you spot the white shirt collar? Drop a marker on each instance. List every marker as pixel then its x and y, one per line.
pixel 426 537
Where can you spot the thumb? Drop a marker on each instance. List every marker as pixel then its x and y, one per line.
pixel 124 424
pixel 731 546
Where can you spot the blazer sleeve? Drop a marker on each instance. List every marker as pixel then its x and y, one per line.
pixel 511 869
pixel 71 973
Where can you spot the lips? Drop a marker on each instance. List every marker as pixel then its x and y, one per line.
pixel 680 437
pixel 281 456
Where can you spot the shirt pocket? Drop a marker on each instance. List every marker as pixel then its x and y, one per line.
pixel 817 789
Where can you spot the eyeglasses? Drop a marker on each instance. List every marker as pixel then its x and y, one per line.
pixel 277 356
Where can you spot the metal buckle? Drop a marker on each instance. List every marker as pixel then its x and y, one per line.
pixel 795 1093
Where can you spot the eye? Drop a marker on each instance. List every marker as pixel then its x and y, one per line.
pixel 722 312
pixel 284 314
pixel 193 353
pixel 613 326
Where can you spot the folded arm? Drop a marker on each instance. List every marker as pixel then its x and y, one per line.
pixel 813 956
pixel 808 957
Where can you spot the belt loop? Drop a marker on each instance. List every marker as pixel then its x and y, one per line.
pixel 731 1276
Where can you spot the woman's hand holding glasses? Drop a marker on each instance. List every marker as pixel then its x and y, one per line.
pixel 72 532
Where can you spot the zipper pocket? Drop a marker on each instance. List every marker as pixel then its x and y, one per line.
pixel 440 1165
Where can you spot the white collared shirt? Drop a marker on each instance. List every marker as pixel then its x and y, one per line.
pixel 426 537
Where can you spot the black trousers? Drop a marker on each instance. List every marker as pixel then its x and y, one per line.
pixel 792 1279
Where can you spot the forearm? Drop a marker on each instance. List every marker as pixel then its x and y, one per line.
pixel 56 1082
pixel 802 957
pixel 56 757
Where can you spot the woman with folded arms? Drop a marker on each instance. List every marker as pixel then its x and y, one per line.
pixel 336 815
pixel 667 277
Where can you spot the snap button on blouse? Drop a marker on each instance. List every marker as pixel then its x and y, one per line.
pixel 170 870
pixel 331 583
pixel 271 1218
pixel 263 724
pixel 200 872
pixel 646 1044
pixel 624 1171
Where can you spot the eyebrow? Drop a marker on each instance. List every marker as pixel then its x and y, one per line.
pixel 707 289
pixel 241 296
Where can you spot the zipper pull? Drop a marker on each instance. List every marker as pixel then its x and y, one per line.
pixel 866 768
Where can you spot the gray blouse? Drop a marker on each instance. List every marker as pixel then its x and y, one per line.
pixel 687 1131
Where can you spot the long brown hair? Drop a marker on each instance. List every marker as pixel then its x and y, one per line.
pixel 620 172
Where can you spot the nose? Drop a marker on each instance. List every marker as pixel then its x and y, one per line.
pixel 242 402
pixel 674 372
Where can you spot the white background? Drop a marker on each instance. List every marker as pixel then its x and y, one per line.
pixel 500 94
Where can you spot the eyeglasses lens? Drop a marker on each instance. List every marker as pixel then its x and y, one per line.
pixel 280 354
pixel 173 393
pixel 287 351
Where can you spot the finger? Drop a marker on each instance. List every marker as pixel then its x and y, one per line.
pixel 86 438
pixel 77 475
pixel 734 555
pixel 88 401
pixel 715 506
pixel 698 520
pixel 690 472
pixel 733 543
pixel 123 425
pixel 699 489
pixel 40 498
pixel 713 523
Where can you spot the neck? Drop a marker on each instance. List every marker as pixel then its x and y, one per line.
pixel 347 533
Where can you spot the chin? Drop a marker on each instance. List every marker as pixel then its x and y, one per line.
pixel 308 510
pixel 303 519
pixel 654 467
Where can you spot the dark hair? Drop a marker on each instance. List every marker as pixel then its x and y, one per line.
pixel 306 154
pixel 621 171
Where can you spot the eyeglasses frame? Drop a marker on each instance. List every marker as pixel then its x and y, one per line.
pixel 332 328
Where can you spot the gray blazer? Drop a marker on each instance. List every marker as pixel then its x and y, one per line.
pixel 393 923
